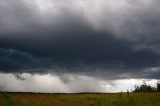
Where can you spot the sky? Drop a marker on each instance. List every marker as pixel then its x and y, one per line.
pixel 78 45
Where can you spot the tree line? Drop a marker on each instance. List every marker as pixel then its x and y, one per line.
pixel 144 87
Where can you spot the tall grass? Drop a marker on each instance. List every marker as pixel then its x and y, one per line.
pixel 116 99
pixel 7 99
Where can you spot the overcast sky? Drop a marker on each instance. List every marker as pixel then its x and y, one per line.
pixel 78 45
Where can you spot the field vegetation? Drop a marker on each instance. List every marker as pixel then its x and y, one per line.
pixel 93 99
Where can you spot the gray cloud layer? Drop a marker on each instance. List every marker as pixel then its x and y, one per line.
pixel 113 39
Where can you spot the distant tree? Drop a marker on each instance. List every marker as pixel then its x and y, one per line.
pixel 144 87
pixel 158 86
pixel 137 88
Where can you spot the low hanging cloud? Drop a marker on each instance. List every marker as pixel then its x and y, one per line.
pixel 106 39
pixel 50 83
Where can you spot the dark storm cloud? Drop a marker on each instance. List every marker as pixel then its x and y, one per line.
pixel 14 61
pixel 77 40
pixel 111 67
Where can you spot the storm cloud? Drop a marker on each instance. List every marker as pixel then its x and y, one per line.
pixel 106 39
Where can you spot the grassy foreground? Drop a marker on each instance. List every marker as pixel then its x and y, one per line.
pixel 116 99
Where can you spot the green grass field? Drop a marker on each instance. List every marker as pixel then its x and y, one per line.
pixel 116 99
